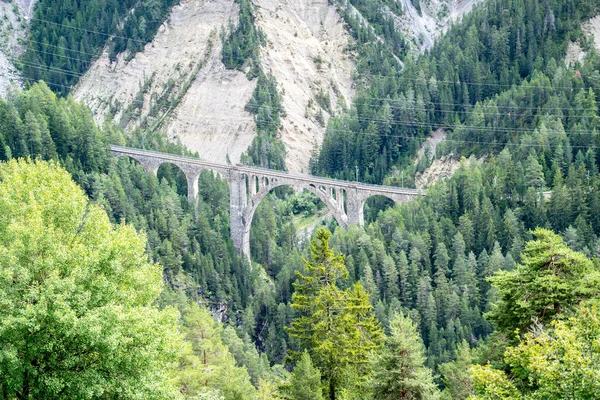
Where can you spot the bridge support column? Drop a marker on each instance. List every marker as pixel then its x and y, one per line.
pixel 150 165
pixel 354 205
pixel 240 228
pixel 192 183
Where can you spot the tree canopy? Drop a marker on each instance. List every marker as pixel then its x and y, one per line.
pixel 78 317
pixel 398 370
pixel 336 326
pixel 550 282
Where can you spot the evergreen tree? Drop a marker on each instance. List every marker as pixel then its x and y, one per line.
pixel 456 376
pixel 398 370
pixel 551 281
pixel 305 381
pixel 336 326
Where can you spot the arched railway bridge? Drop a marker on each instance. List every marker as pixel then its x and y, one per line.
pixel 249 185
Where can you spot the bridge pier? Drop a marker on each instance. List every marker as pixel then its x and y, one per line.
pixel 354 207
pixel 239 227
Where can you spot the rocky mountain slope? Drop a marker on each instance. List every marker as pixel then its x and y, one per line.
pixel 435 16
pixel 13 26
pixel 305 52
pixel 591 28
pixel 179 85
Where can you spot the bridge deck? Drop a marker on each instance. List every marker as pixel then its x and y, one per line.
pixel 264 171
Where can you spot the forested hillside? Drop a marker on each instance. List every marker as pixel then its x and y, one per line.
pixel 497 45
pixel 65 36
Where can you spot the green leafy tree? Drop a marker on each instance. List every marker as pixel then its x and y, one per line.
pixel 552 280
pixel 562 362
pixel 491 384
pixel 78 319
pixel 336 326
pixel 398 370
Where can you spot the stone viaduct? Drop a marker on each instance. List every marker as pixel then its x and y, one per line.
pixel 249 185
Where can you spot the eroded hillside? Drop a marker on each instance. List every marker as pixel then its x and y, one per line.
pixel 305 52
pixel 178 84
pixel 14 17
pixel 432 20
pixel 575 53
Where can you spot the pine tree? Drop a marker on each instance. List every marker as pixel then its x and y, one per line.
pixel 534 174
pixel 456 377
pixel 551 280
pixel 305 381
pixel 390 274
pixel 398 371
pixel 336 326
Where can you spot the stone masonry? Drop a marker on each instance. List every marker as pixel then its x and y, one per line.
pixel 249 185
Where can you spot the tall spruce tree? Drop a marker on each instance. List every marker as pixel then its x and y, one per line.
pixel 336 326
pixel 398 370
pixel 551 280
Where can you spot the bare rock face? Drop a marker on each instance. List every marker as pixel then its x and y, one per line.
pixel 305 52
pixel 435 17
pixel 592 28
pixel 26 7
pixel 575 53
pixel 178 84
pixel 14 18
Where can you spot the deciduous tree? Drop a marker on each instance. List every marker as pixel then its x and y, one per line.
pixel 78 319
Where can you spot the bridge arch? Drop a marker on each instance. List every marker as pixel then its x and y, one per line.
pixel 151 164
pixel 366 195
pixel 249 185
pixel 170 169
pixel 267 184
pixel 147 164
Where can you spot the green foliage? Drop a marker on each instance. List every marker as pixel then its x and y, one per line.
pixel 495 86
pixel 78 319
pixel 551 281
pixel 456 377
pixel 335 325
pixel 495 48
pixel 305 381
pixel 181 236
pixel 491 384
pixel 209 363
pixel 36 124
pixel 246 355
pixel 398 371
pixel 267 149
pixel 560 361
pixel 65 37
pixel 241 48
